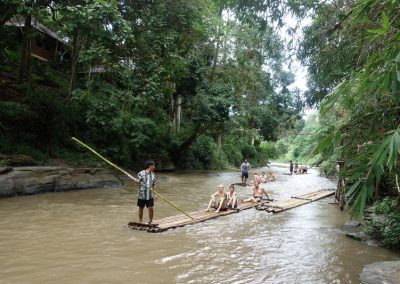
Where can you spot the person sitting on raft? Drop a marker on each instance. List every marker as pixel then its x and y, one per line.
pixel 271 176
pixel 263 178
pixel 257 195
pixel 256 180
pixel 232 198
pixel 219 204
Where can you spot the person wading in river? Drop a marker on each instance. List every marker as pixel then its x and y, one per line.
pixel 245 167
pixel 147 181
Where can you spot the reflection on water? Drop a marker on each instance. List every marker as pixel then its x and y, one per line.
pixel 81 237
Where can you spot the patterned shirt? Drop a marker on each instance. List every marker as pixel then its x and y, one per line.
pixel 146 181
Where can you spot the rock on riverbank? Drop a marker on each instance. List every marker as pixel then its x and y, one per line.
pixel 381 272
pixel 30 180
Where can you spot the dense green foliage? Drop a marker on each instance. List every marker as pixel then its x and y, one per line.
pixel 201 84
pixel 384 224
pixel 180 81
pixel 352 50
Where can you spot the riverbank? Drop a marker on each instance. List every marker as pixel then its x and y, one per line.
pixel 32 180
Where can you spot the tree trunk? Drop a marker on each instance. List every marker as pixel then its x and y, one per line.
pixel 377 189
pixel 215 59
pixel 77 43
pixel 25 65
pixel 219 142
pixel 342 195
pixel 185 145
pixel 178 115
pixel 176 107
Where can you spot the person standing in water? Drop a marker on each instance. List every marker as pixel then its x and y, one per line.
pixel 291 167
pixel 245 168
pixel 147 181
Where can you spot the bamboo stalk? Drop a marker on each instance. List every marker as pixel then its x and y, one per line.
pixel 130 176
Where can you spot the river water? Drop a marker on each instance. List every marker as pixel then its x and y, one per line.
pixel 82 237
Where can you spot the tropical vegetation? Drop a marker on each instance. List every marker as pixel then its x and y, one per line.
pixel 204 84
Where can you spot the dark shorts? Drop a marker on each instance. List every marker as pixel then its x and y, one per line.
pixel 245 174
pixel 230 206
pixel 222 209
pixel 142 202
pixel 257 198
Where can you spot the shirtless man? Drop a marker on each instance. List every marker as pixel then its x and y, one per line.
pixel 256 180
pixel 219 204
pixel 257 195
pixel 232 198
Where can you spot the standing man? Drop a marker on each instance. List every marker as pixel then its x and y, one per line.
pixel 245 167
pixel 147 181
pixel 291 167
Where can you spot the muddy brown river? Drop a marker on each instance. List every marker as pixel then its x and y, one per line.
pixel 82 237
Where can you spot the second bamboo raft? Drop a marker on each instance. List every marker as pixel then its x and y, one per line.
pixel 283 205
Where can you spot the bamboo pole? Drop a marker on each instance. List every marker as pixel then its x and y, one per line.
pixel 129 176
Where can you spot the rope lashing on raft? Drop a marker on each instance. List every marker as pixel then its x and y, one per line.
pixel 129 175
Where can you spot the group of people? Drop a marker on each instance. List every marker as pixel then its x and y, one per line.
pixel 245 167
pixel 296 169
pixel 220 200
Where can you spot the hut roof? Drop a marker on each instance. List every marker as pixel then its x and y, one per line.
pixel 19 21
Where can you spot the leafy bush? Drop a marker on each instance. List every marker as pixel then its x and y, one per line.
pixel 201 155
pixel 328 168
pixel 385 224
pixel 233 154
pixel 270 150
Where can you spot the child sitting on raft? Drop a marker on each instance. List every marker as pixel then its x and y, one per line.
pixel 232 198
pixel 221 203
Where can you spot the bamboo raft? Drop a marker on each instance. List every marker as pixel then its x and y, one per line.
pixel 283 205
pixel 240 184
pixel 181 220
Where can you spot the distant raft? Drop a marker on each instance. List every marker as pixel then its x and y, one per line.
pixel 241 184
pixel 181 220
pixel 283 205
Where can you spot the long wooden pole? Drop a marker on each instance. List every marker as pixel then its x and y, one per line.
pixel 129 176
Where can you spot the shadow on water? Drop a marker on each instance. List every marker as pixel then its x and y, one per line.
pixel 81 237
